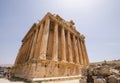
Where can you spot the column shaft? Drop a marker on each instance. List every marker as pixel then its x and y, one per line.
pixel 26 50
pixel 37 49
pixel 44 40
pixel 33 44
pixel 21 54
pixel 75 50
pixel 83 51
pixel 55 43
pixel 69 47
pixel 63 48
pixel 80 52
pixel 29 47
pixel 18 55
pixel 87 60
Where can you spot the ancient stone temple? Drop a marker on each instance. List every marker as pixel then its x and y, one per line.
pixel 51 48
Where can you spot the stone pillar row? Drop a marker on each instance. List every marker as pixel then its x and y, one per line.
pixel 24 50
pixel 36 47
pixel 27 51
pixel 79 49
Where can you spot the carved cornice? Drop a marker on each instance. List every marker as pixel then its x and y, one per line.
pixel 30 32
pixel 65 24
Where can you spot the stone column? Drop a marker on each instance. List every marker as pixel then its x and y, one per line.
pixel 31 40
pixel 69 47
pixel 55 43
pixel 21 53
pixel 87 60
pixel 83 51
pixel 44 40
pixel 75 50
pixel 29 47
pixel 63 47
pixel 37 49
pixel 80 52
pixel 33 44
pixel 26 50
pixel 18 55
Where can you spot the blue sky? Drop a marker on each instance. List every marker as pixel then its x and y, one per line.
pixel 98 20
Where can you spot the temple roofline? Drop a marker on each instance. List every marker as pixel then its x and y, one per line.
pixel 51 48
pixel 60 20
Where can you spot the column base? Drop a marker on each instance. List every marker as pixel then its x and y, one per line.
pixel 64 61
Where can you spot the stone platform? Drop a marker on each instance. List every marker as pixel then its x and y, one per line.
pixel 44 69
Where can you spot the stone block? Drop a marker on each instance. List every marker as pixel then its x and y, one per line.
pixel 83 80
pixel 113 79
pixel 102 71
pixel 99 80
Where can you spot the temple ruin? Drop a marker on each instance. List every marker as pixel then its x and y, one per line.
pixel 51 48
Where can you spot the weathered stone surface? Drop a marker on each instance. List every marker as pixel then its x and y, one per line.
pixel 99 80
pixel 83 80
pixel 115 72
pixel 102 71
pixel 113 79
pixel 51 48
pixel 105 70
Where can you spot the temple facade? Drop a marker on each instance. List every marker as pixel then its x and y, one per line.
pixel 51 48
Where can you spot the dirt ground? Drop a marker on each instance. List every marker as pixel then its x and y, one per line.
pixel 4 80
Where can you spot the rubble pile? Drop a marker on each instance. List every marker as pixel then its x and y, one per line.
pixel 103 73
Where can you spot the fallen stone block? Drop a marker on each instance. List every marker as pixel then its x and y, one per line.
pixel 113 79
pixel 99 80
